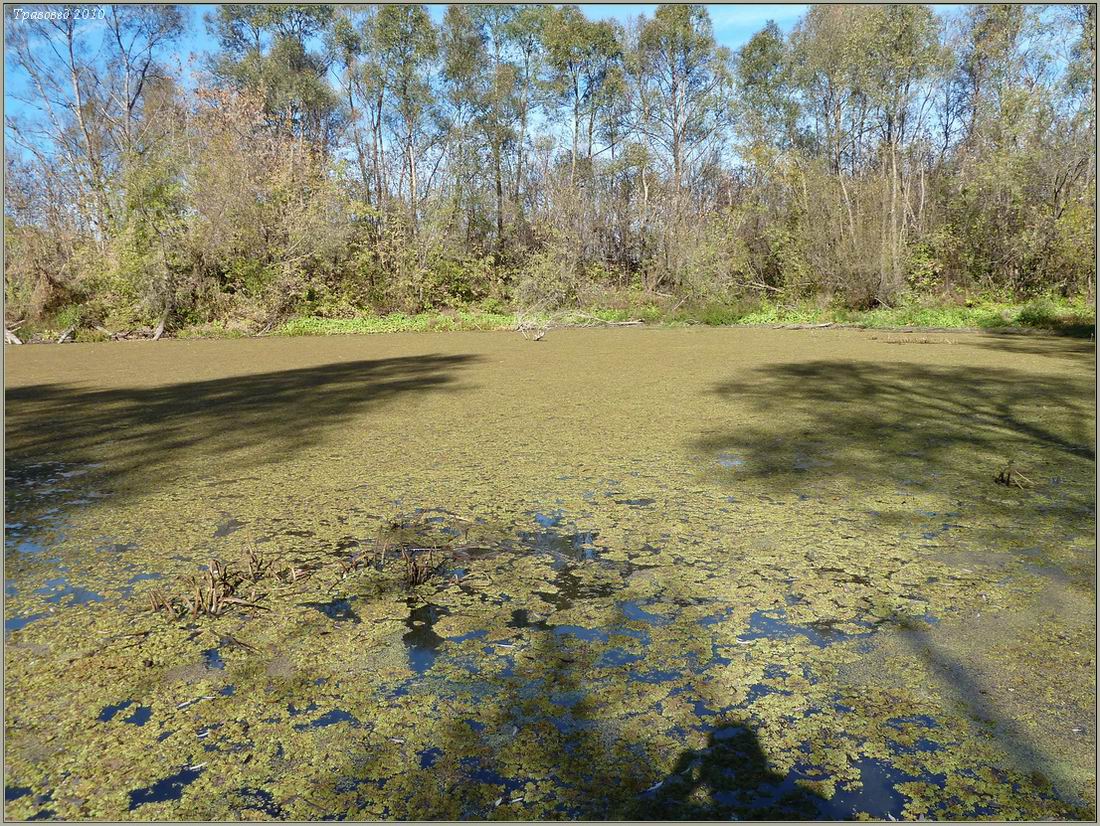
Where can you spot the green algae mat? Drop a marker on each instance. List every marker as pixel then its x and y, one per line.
pixel 703 573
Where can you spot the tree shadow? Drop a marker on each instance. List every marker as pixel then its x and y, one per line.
pixel 1072 347
pixel 548 736
pixel 865 422
pixel 549 732
pixel 145 435
pixel 1027 756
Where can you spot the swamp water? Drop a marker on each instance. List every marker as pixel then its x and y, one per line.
pixel 685 573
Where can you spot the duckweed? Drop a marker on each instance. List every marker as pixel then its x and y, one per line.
pixel 691 573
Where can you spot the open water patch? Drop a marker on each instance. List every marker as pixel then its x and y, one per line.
pixel 166 789
pixel 422 643
pixel 212 659
pixel 108 713
pixel 337 609
pixel 19 623
pixel 564 548
pixel 772 624
pixel 58 589
pixel 634 611
pixel 329 718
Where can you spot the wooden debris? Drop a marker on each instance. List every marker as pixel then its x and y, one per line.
pixel 420 565
pixel 534 328
pixel 1010 476
pixel 223 587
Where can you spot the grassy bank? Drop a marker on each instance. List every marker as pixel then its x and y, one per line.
pixel 1066 317
pixel 1058 315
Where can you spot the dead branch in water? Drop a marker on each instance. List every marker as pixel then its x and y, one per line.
pixel 223 587
pixel 534 329
pixel 631 323
pixel 1010 476
pixel 418 570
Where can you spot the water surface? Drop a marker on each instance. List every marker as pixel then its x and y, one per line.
pixel 703 573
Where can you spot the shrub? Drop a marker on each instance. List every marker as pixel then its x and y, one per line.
pixel 1039 312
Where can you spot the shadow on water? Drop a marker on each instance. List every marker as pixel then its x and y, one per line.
pixel 553 741
pixel 897 425
pixel 552 732
pixel 1027 755
pixel 909 426
pixel 876 414
pixel 551 745
pixel 1077 343
pixel 144 432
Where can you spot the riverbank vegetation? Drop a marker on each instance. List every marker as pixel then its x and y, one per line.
pixel 368 169
pixel 1044 315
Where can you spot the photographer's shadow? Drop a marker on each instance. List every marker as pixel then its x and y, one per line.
pixel 730 777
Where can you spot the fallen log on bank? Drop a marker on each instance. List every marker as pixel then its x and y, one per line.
pixel 535 329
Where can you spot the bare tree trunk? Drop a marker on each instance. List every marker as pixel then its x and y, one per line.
pixel 103 217
pixel 499 195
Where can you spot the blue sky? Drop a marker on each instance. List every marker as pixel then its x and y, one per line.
pixel 733 24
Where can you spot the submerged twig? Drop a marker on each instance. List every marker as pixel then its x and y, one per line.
pixel 1010 476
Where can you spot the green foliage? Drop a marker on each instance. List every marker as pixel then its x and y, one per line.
pixel 396 323
pixel 71 316
pixel 455 282
pixel 719 315
pixel 765 75
pixel 1052 313
pixel 212 329
pixel 268 48
pixel 91 336
pixel 250 276
pixel 923 268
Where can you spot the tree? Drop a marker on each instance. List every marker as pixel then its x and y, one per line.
pixel 685 75
pixel 334 160
pixel 273 49
pixel 580 55
pixel 766 104
pixel 408 46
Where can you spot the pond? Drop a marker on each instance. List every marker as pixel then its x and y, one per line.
pixel 695 573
